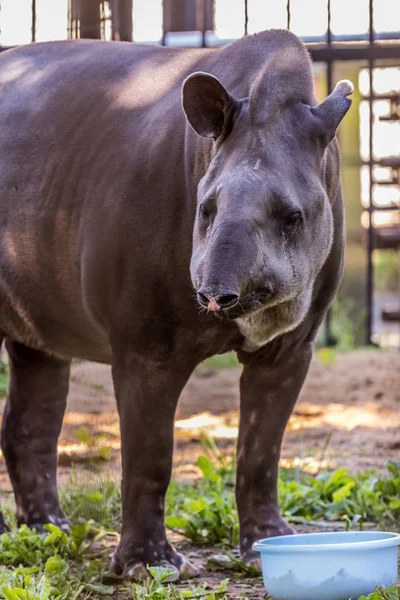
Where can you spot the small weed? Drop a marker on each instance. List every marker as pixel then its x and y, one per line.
pixel 98 501
pixel 356 521
pixel 94 444
pixel 83 435
pixel 158 589
pixel 206 510
pixel 392 593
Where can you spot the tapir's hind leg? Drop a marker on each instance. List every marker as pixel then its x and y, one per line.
pixel 31 426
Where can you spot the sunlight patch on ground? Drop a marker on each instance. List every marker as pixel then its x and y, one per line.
pixel 344 417
pixel 337 416
pixel 215 426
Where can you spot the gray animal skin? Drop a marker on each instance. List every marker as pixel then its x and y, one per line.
pixel 116 211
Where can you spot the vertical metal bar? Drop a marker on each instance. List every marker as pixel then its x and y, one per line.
pixel 329 339
pixel 33 20
pixel 209 14
pixel 329 33
pixel 246 17
pixel 166 19
pixel 371 21
pixel 288 14
pixel 370 238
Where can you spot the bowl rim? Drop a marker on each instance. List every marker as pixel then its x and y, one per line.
pixel 266 545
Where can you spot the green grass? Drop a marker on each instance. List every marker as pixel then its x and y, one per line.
pixel 57 567
pixel 158 589
pixel 97 500
pixel 205 511
pixel 96 449
pixel 53 565
pixel 392 593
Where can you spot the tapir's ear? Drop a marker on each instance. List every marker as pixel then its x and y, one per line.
pixel 207 105
pixel 328 115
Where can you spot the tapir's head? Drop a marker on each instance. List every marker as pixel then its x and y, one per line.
pixel 264 222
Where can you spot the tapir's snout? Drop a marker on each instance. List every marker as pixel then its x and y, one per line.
pixel 232 303
pixel 214 300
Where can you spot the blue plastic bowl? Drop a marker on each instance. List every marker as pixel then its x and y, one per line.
pixel 328 566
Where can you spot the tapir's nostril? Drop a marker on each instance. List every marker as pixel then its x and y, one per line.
pixel 203 299
pixel 217 301
pixel 227 300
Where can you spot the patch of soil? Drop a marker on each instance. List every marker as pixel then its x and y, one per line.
pixel 347 415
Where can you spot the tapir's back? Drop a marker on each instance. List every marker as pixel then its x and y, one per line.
pixel 91 149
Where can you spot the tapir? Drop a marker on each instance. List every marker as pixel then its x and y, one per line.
pixel 159 206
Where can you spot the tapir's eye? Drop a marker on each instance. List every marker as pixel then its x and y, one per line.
pixel 204 211
pixel 207 208
pixel 294 219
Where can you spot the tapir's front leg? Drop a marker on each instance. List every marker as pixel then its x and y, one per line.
pixel 268 394
pixel 147 393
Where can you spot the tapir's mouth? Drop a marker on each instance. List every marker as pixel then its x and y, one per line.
pixel 245 305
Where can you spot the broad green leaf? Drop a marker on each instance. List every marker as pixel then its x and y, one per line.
pixel 343 492
pixel 100 588
pixel 176 522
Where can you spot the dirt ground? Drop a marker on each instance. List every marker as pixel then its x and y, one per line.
pixel 348 415
pixel 351 406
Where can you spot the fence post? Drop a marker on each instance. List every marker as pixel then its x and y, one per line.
pixel 89 19
pixel 122 24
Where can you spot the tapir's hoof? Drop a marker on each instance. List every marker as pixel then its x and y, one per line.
pixel 138 571
pixel 273 529
pixel 252 561
pixel 187 570
pixel 39 522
